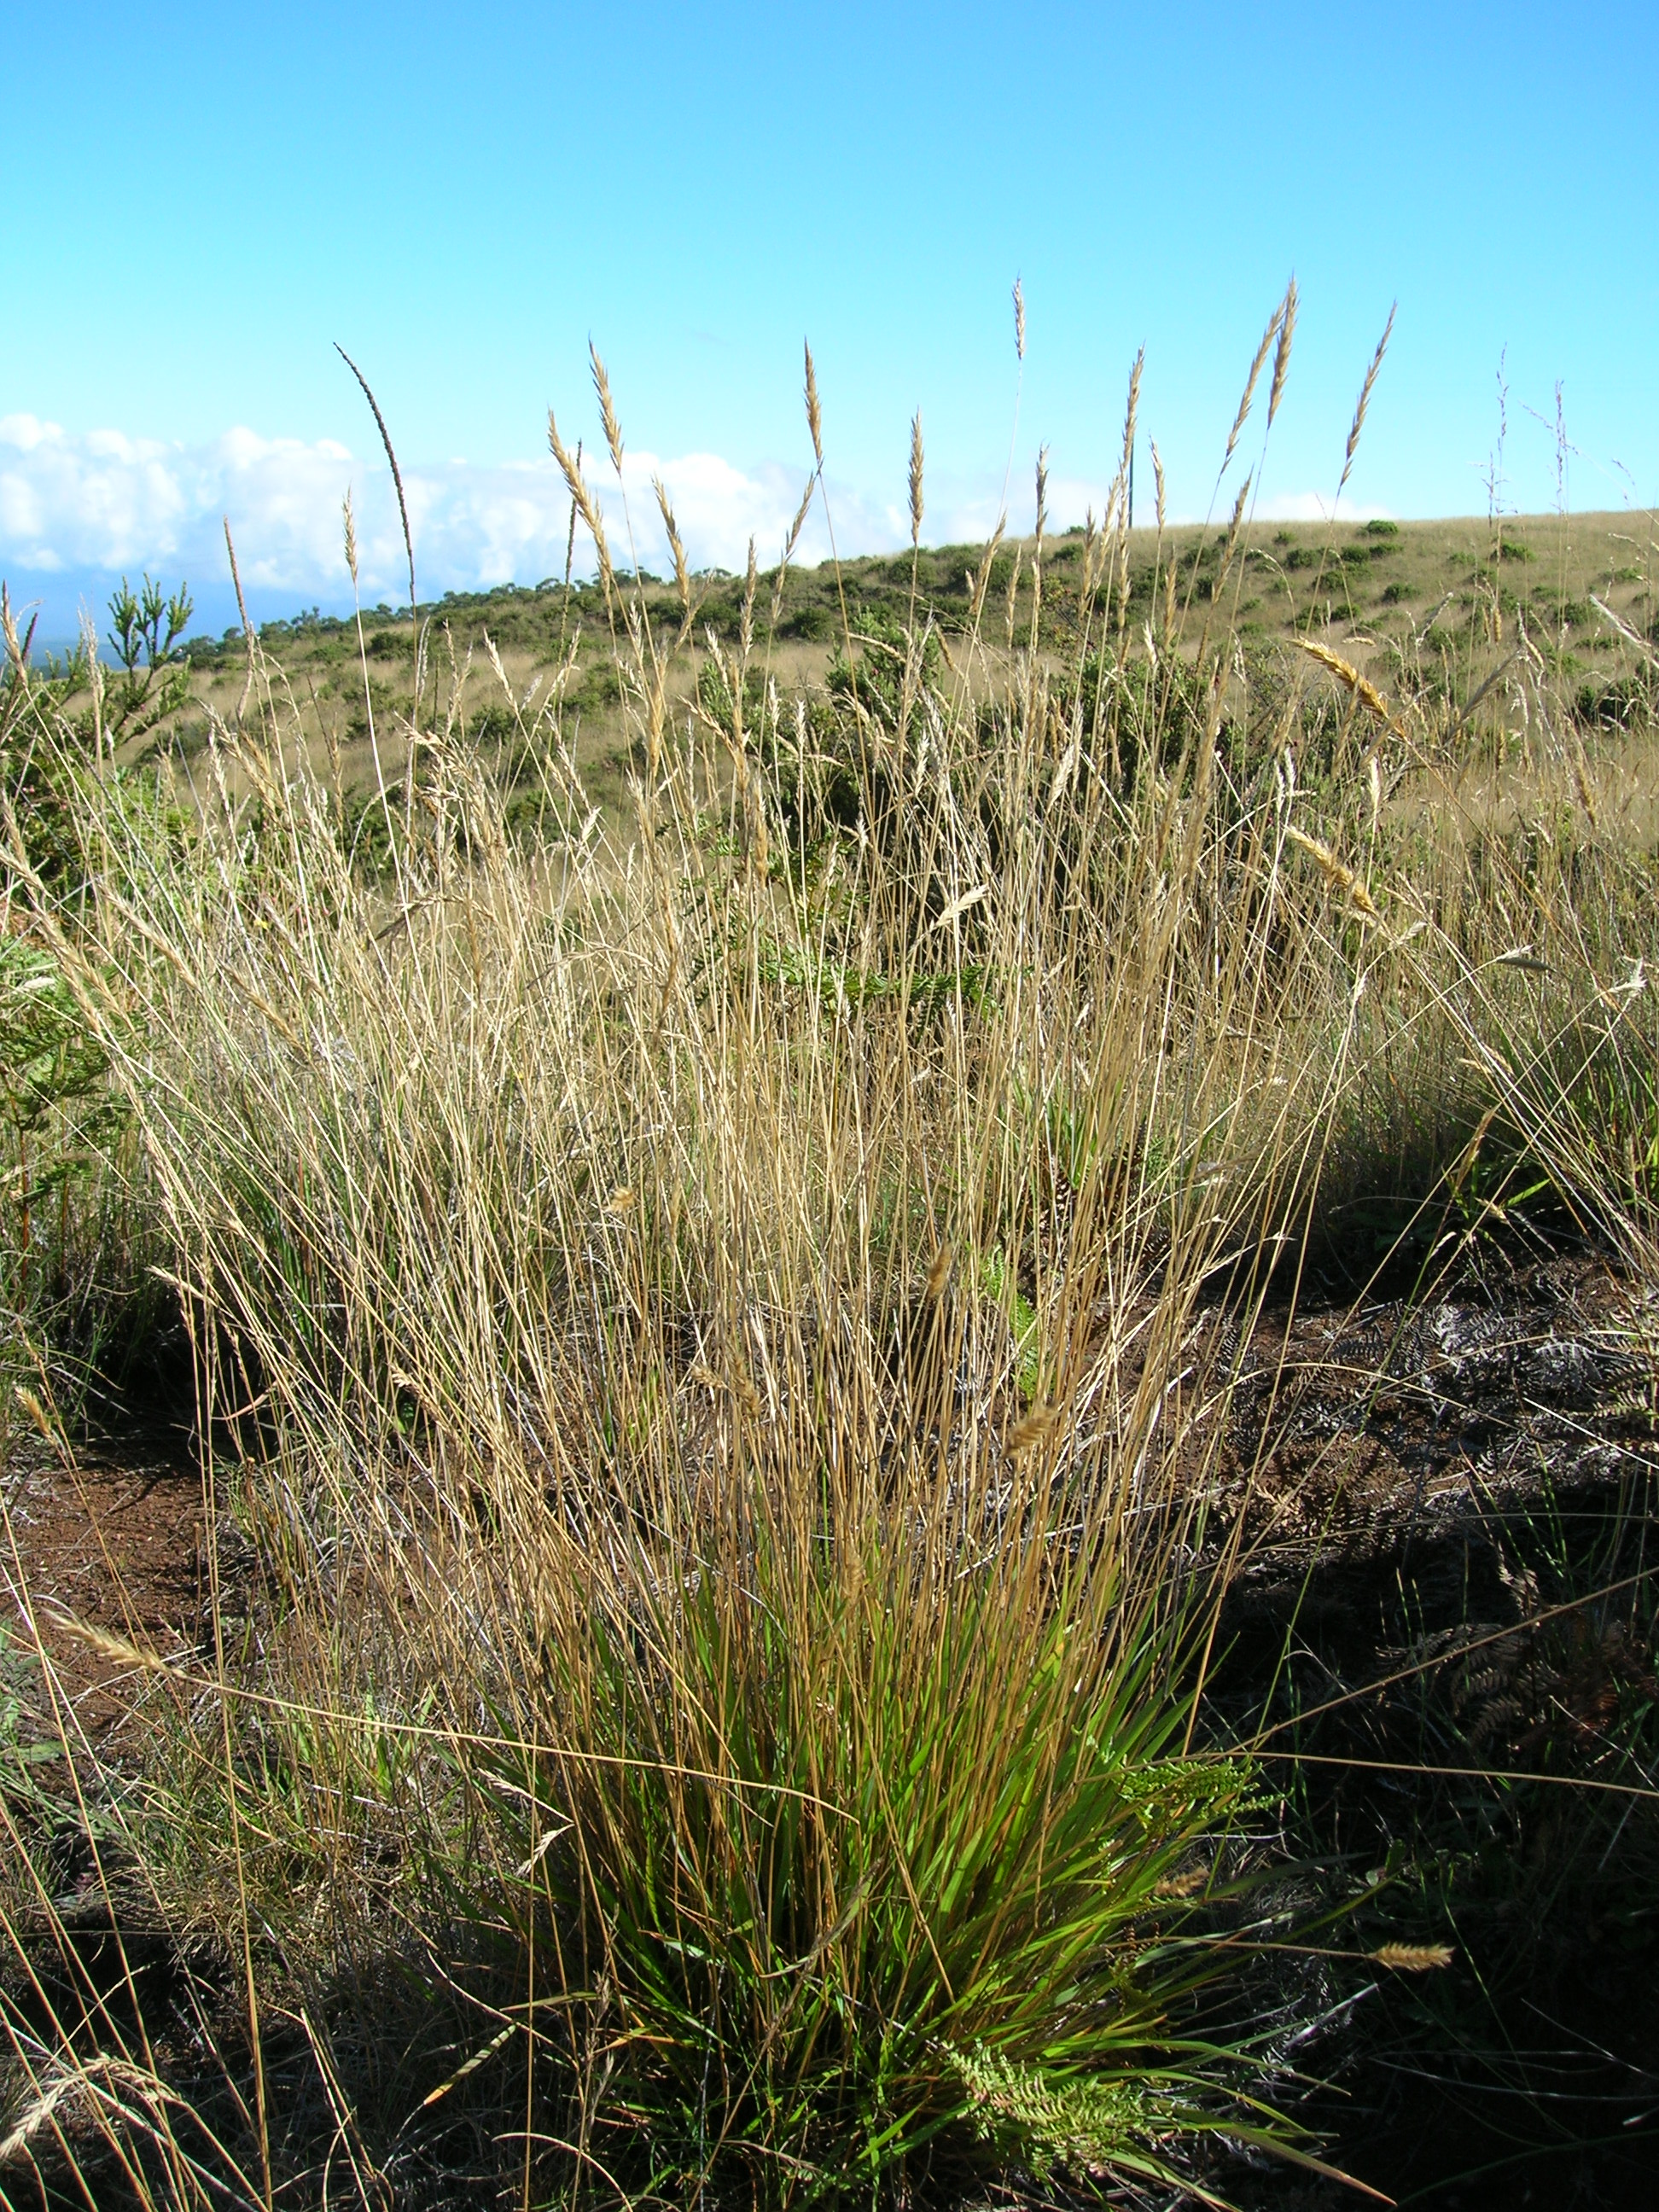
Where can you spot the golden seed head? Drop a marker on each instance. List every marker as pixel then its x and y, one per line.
pixel 1347 675
pixel 814 412
pixel 119 1650
pixel 1414 1958
pixel 938 1274
pixel 1034 1432
pixel 1282 358
pixel 26 1398
pixel 800 521
pixel 1181 1885
pixel 350 537
pixel 1267 337
pixel 582 500
pixel 607 412
pixel 1019 319
pixel 1339 878
pixel 1366 398
pixel 1130 410
pixel 682 578
pixel 746 621
pixel 915 477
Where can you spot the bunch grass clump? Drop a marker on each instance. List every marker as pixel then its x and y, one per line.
pixel 708 1426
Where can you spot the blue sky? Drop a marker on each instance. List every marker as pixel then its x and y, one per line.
pixel 203 200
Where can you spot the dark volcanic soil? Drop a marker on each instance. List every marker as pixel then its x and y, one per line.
pixel 1446 1576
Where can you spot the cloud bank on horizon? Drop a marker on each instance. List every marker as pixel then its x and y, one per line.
pixel 78 508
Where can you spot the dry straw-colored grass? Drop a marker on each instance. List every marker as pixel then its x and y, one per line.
pixel 697 1339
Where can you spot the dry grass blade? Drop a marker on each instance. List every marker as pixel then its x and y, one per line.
pixel 481 2056
pixel 242 610
pixel 797 524
pixel 798 520
pixel 391 463
pixel 1616 622
pixel 981 574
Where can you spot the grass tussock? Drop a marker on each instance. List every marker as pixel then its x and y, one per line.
pixel 698 1324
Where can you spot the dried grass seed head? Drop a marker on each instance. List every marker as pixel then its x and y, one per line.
pixel 1413 1958
pixel 1032 1432
pixel 582 499
pixel 1282 357
pixel 607 411
pixel 1267 337
pixel 746 620
pixel 1350 677
pixel 799 521
pixel 682 578
pixel 1339 878
pixel 814 409
pixel 915 479
pixel 1366 398
pixel 1130 412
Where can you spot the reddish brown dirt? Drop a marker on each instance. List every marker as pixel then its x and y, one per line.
pixel 110 1538
pixel 1401 1437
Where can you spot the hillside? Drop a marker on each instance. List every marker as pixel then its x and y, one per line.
pixel 1441 604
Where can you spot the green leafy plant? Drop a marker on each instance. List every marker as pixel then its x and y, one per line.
pixel 146 627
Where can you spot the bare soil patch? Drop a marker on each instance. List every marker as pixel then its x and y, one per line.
pixel 112 1538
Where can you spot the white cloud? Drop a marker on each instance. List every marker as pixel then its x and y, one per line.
pixel 1317 507
pixel 78 508
pixel 104 501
